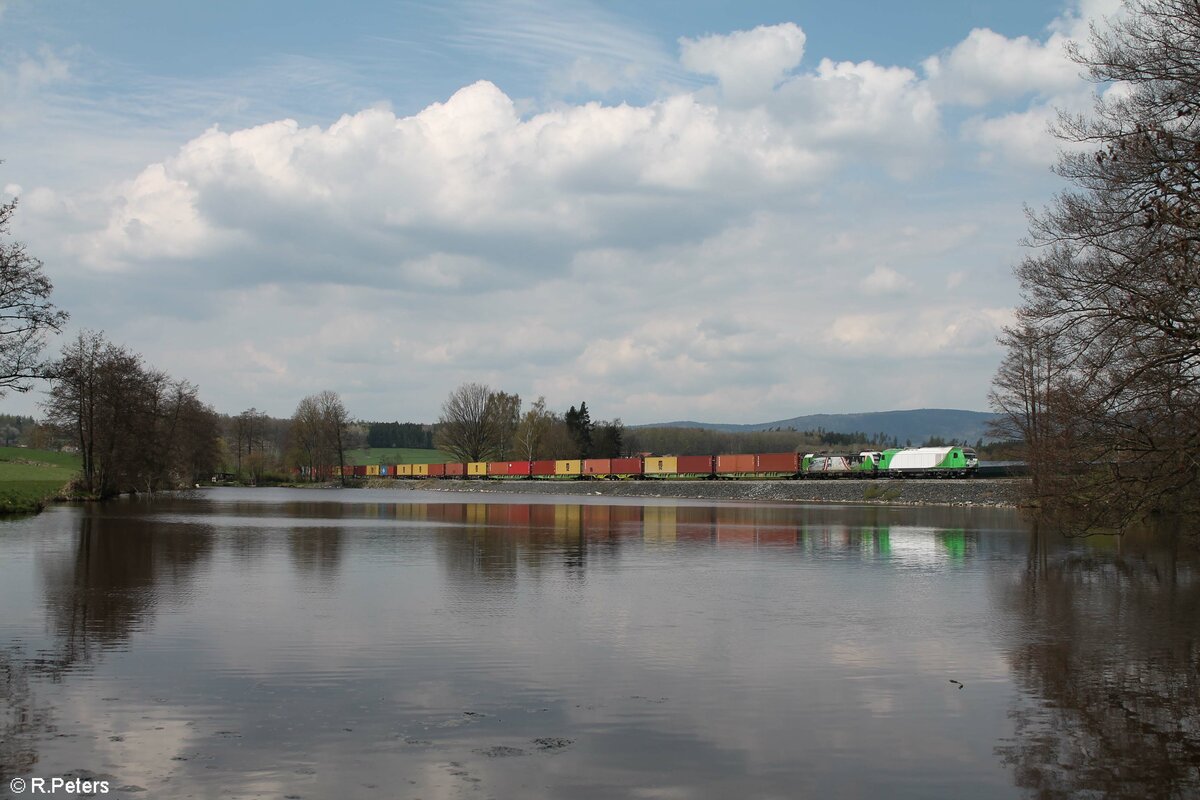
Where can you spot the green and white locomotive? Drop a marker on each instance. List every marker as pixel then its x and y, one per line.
pixel 947 462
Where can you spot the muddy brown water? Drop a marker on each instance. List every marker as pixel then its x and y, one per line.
pixel 326 644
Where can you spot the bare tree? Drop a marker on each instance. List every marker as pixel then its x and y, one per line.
pixel 26 313
pixel 318 434
pixel 1028 382
pixel 533 430
pixel 137 429
pixel 477 424
pixel 1112 288
pixel 336 422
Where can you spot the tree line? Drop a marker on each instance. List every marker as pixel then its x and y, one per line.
pixel 1101 375
pixel 479 423
pixel 136 428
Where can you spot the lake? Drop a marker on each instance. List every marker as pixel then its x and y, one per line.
pixel 239 643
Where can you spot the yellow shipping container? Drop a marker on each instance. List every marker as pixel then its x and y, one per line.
pixel 372 469
pixel 404 470
pixel 660 465
pixel 571 467
pixel 419 469
pixel 477 468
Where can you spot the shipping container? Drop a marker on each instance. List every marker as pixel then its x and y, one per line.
pixel 403 470
pixel 456 470
pixel 360 471
pixel 497 468
pixel 570 467
pixel 421 470
pixel 695 465
pixel 735 464
pixel 626 467
pixel 542 468
pixel 596 467
pixel 436 470
pixel 777 463
pixel 477 469
pixel 385 470
pixel 519 468
pixel 660 465
pixel 372 470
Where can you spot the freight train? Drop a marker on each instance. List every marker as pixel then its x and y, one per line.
pixel 916 462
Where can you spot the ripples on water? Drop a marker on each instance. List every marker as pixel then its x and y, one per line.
pixel 317 644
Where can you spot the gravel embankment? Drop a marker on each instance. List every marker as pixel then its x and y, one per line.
pixel 945 492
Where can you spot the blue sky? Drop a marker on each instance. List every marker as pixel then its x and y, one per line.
pixel 730 212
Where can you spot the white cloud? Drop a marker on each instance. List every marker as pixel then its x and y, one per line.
pixel 884 280
pixel 746 64
pixel 987 66
pixel 22 73
pixel 695 250
pixel 919 332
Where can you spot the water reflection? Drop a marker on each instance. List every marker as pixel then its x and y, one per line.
pixel 107 587
pixel 317 552
pixel 252 642
pixel 1105 641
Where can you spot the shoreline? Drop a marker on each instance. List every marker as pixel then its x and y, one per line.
pixel 981 492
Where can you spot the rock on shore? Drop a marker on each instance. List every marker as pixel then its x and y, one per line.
pixel 1007 492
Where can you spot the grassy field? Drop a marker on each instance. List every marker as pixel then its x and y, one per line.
pixel 28 477
pixel 396 455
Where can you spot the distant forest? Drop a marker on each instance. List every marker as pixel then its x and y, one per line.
pixel 399 434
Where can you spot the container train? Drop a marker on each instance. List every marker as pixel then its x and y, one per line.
pixel 918 462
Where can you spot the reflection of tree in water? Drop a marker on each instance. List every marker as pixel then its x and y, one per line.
pixel 22 722
pixel 122 566
pixel 317 551
pixel 1107 643
pixel 96 595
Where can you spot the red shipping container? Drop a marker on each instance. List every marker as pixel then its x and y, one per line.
pixel 735 463
pixel 543 468
pixel 596 466
pixel 518 467
pixel 694 465
pixel 456 470
pixel 360 471
pixel 777 462
pixel 437 470
pixel 497 468
pixel 626 466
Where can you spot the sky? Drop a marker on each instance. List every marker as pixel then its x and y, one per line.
pixel 709 211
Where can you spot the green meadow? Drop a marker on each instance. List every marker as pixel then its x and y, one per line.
pixel 396 455
pixel 29 477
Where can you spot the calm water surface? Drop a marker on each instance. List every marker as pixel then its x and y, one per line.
pixel 324 644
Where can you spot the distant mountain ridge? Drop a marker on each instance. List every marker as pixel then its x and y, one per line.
pixel 916 425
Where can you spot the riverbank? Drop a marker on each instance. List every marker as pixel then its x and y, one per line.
pixel 30 478
pixel 993 492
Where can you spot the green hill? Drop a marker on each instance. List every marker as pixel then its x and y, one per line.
pixel 916 425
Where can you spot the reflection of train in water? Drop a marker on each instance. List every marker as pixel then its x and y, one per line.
pixel 917 462
pixel 932 537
